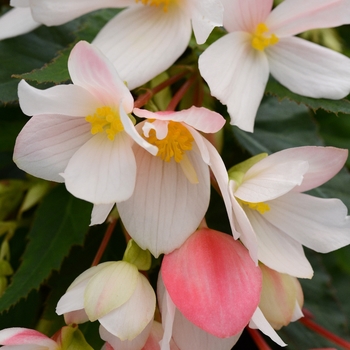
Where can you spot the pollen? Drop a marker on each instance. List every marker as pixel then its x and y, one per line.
pixel 175 144
pixel 261 207
pixel 164 3
pixel 107 120
pixel 260 40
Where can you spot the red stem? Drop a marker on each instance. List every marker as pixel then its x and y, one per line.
pixel 258 339
pixel 324 332
pixel 104 242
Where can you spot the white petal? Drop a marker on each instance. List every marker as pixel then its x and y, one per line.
pixel 318 223
pixel 130 319
pixel 20 3
pixel 90 69
pixel 245 15
pixel 277 250
pixel 259 321
pixel 298 313
pixel 165 207
pixel 46 144
pixel 15 22
pixel 187 336
pixel 205 16
pixel 237 78
pixel 295 16
pixel 56 12
pixel 102 171
pixel 78 317
pixel 309 69
pixel 267 180
pixel 70 100
pixel 100 212
pixel 140 52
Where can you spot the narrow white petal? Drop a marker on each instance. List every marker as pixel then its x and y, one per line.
pixel 70 100
pixel 277 250
pixel 298 313
pixel 245 15
pixel 130 319
pixel 100 212
pixel 165 207
pixel 102 171
pixel 17 21
pixel 259 321
pixel 318 223
pixel 56 12
pixel 47 142
pixel 237 78
pixel 309 69
pixel 140 52
pixel 295 16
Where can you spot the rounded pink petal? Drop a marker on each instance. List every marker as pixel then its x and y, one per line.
pixel 90 69
pixel 213 282
pixel 140 52
pixel 309 69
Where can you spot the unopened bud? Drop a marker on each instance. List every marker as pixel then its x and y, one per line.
pixel 135 255
pixel 71 338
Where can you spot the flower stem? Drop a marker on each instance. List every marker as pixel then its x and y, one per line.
pixel 104 242
pixel 258 339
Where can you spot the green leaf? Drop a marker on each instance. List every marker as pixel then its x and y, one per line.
pixel 333 106
pixel 61 221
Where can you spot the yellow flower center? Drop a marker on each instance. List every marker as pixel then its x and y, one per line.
pixel 175 144
pixel 164 3
pixel 105 120
pixel 261 207
pixel 260 41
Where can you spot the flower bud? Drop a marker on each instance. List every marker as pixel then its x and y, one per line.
pixel 135 255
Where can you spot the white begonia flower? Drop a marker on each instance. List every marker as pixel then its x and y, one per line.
pixel 143 40
pixel 275 219
pixel 172 190
pixel 237 66
pixel 80 133
pixel 116 294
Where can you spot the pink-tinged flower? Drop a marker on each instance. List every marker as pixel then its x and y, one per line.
pixel 275 219
pixel 237 66
pixel 172 189
pixel 80 133
pixel 145 39
pixel 16 22
pixel 116 294
pixel 281 297
pixel 211 290
pixel 26 339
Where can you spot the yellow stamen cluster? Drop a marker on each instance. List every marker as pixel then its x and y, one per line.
pixel 261 207
pixel 105 120
pixel 260 41
pixel 175 144
pixel 164 3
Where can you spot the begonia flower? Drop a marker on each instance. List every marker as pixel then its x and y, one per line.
pixel 116 294
pixel 260 41
pixel 17 21
pixel 80 133
pixel 276 219
pixel 148 31
pixel 172 190
pixel 281 298
pixel 208 291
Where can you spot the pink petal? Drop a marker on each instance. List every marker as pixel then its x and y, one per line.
pixel 199 118
pixel 237 78
pixel 16 22
pixel 159 37
pixel 90 69
pixel 102 171
pixel 213 282
pixel 295 16
pixel 245 15
pixel 309 69
pixel 155 337
pixel 165 208
pixel 46 144
pixel 70 100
